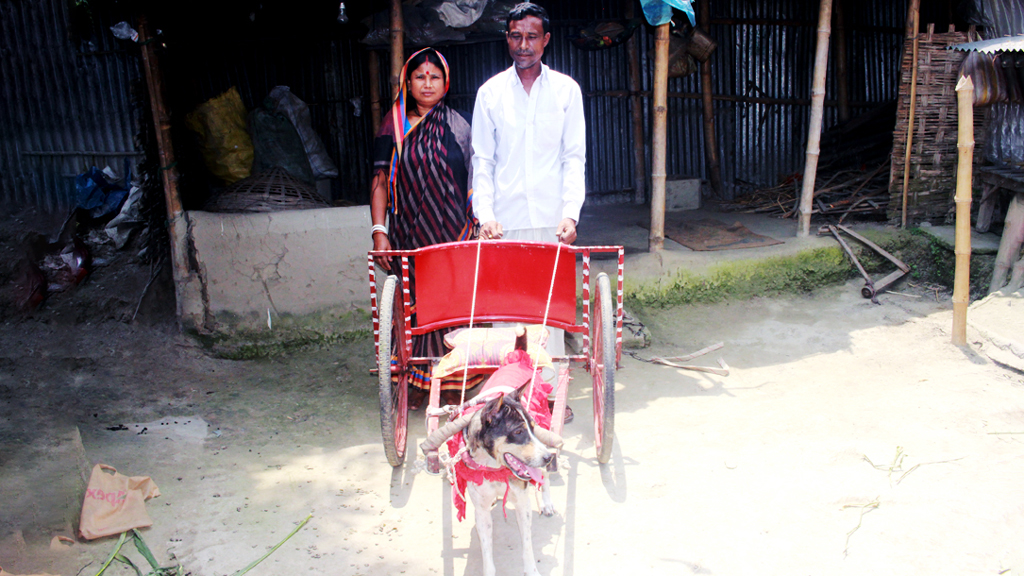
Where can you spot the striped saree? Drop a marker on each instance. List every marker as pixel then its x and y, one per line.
pixel 429 173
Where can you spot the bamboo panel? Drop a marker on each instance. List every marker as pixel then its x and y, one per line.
pixel 933 157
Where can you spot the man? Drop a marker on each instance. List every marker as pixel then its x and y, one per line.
pixel 529 148
pixel 529 141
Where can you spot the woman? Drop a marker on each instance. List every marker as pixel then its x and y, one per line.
pixel 422 172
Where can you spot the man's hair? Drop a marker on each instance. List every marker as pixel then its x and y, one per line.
pixel 524 9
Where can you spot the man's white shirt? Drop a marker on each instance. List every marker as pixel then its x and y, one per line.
pixel 529 150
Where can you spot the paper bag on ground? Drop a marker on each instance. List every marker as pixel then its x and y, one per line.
pixel 115 503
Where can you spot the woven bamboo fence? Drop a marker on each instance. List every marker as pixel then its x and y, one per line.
pixel 933 158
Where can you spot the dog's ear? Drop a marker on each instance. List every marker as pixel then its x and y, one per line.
pixel 493 408
pixel 517 395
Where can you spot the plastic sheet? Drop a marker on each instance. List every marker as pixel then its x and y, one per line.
pixel 460 13
pixel 220 125
pixel 287 103
pixel 97 195
pixel 276 143
pixel 659 12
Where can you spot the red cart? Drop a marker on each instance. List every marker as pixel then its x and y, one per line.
pixel 515 282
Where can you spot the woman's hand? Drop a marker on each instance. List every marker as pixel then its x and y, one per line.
pixel 381 242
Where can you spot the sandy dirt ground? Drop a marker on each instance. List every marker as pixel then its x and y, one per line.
pixel 848 438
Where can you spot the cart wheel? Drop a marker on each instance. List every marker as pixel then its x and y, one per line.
pixel 602 368
pixel 394 393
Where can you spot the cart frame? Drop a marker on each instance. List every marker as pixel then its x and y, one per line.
pixel 514 281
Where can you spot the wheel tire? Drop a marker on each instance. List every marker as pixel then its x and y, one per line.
pixel 394 393
pixel 602 368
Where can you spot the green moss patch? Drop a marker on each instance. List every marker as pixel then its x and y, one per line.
pixel 929 261
pixel 239 338
pixel 745 279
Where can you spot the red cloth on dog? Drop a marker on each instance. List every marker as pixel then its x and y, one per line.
pixel 515 372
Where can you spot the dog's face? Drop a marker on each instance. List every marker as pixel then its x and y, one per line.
pixel 506 434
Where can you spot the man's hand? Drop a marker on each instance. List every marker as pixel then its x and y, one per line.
pixel 566 231
pixel 491 230
pixel 382 242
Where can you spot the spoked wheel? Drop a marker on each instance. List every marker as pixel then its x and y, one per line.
pixel 602 368
pixel 394 392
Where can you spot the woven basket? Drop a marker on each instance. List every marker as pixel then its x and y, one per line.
pixel 270 191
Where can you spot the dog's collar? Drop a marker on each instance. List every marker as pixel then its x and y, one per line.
pixel 474 465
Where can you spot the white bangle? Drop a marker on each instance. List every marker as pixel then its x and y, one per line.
pixel 378 228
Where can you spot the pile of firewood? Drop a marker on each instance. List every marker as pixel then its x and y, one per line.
pixel 863 191
pixel 852 175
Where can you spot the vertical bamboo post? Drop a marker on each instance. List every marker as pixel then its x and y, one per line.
pixel 658 139
pixel 962 244
pixel 842 73
pixel 397 46
pixel 177 227
pixel 706 89
pixel 912 27
pixel 374 69
pixel 636 105
pixel 817 105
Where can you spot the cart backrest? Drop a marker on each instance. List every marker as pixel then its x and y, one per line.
pixel 513 284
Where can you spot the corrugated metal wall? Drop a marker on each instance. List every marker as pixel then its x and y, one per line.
pixel 1005 139
pixel 65 105
pixel 761 73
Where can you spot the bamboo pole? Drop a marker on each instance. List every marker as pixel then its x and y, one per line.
pixel 842 73
pixel 913 25
pixel 658 139
pixel 706 89
pixel 177 227
pixel 636 105
pixel 962 245
pixel 374 69
pixel 397 47
pixel 814 131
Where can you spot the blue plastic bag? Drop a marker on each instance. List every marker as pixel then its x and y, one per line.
pixel 659 12
pixel 97 196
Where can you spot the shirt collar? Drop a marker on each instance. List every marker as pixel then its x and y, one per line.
pixel 542 78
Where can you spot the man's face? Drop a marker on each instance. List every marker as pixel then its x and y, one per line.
pixel 526 41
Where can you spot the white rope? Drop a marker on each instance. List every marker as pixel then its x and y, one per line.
pixel 472 314
pixel 547 308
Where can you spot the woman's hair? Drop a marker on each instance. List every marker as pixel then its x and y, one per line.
pixel 429 55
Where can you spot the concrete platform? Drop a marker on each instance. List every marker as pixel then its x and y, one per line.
pixel 987 243
pixel 997 318
pixel 625 225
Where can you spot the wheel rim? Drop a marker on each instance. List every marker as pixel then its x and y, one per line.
pixel 393 375
pixel 603 370
pixel 400 411
pixel 597 372
pixel 399 380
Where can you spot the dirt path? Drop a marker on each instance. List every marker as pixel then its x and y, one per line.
pixel 765 471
